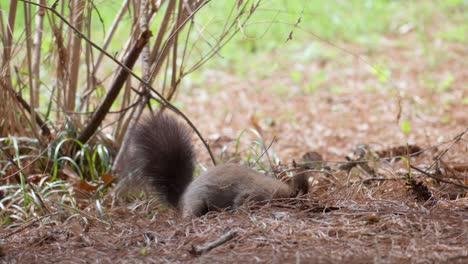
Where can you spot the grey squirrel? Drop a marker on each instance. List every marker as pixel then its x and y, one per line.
pixel 163 150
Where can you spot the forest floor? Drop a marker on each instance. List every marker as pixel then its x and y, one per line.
pixel 366 211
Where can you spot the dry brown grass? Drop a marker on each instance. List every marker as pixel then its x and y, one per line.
pixel 346 218
pixel 377 229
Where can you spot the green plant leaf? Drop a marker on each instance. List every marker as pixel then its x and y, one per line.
pixel 405 126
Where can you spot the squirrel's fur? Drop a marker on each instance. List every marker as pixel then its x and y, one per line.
pixel 164 152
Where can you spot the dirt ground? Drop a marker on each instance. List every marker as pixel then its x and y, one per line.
pixel 356 215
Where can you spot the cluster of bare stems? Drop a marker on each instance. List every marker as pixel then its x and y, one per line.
pixel 43 88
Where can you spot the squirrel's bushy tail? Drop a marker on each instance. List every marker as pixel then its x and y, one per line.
pixel 163 149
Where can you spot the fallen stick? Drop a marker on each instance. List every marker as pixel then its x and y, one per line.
pixel 438 178
pixel 200 250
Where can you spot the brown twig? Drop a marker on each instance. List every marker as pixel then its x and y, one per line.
pixel 32 93
pixel 200 250
pixel 75 53
pixel 265 152
pixel 5 72
pixel 438 178
pixel 435 146
pixel 24 226
pixel 379 179
pixel 115 88
pixel 456 139
pixel 42 125
pixel 36 55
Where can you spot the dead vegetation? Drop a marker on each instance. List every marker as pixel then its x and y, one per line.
pixel 378 194
pixel 377 228
pixel 347 217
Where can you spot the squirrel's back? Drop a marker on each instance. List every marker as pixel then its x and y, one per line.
pixel 230 185
pixel 164 152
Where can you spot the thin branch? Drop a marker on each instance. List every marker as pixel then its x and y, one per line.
pixel 42 125
pixel 32 93
pixel 122 75
pixel 24 226
pixel 77 9
pixel 265 151
pixel 5 71
pixel 456 139
pixel 36 57
pixel 125 68
pixel 200 250
pixel 111 32
pixel 438 178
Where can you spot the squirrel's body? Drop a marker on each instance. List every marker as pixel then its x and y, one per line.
pixel 163 149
